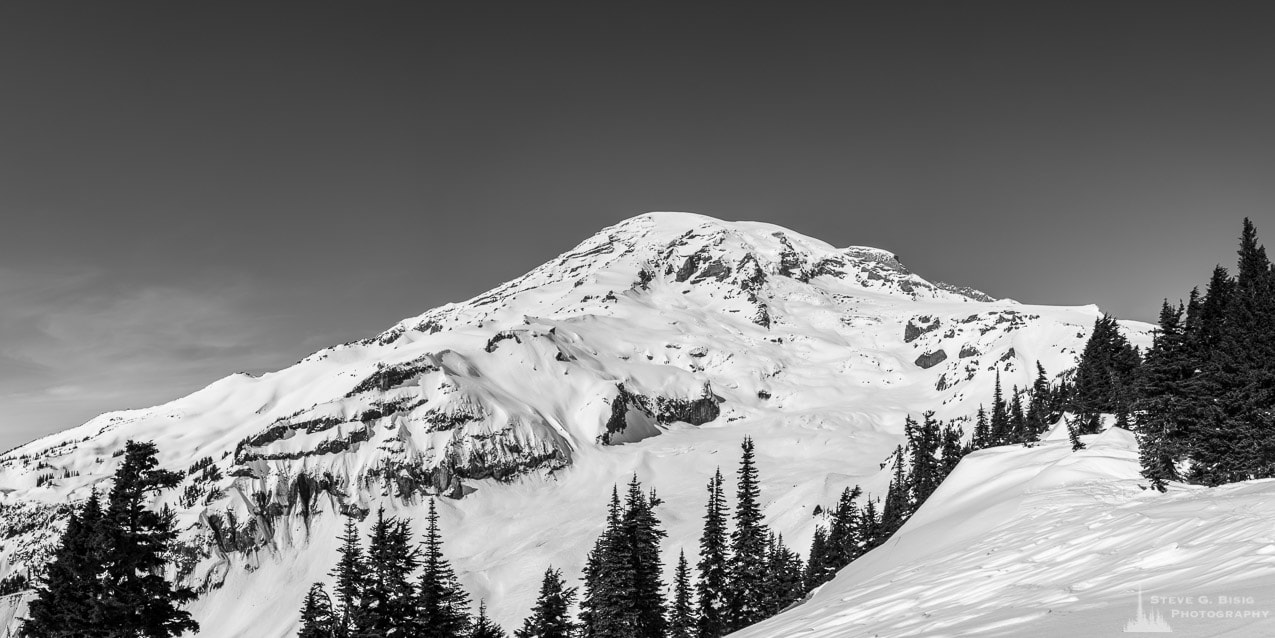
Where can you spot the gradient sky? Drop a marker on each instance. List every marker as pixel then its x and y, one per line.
pixel 190 191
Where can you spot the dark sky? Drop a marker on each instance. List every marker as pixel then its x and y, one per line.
pixel 190 191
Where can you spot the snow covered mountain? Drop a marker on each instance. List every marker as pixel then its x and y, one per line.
pixel 652 348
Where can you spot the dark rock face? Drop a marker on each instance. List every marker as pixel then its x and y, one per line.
pixel 931 359
pixel 918 327
pixel 664 410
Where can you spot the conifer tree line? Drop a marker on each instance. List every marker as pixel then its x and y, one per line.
pixel 376 592
pixel 106 578
pixel 1204 398
pixel 1201 399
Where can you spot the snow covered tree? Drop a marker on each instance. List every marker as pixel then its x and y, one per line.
pixel 442 607
pixel 681 621
pixel 714 565
pixel 746 595
pixel 65 602
pixel 550 616
pixel 317 620
pixel 485 627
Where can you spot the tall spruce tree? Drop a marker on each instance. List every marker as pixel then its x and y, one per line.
pixel 606 609
pixel 1164 414
pixel 385 606
pixel 642 534
pixel 317 619
pixel 442 607
pixel 348 573
pixel 550 617
pixel 714 565
pixel 681 620
pixel 999 426
pixel 137 599
pixel 746 597
pixel 65 602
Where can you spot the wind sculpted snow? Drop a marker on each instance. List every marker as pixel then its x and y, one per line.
pixel 652 348
pixel 1048 542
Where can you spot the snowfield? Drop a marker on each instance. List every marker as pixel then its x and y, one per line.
pixel 1047 542
pixel 652 348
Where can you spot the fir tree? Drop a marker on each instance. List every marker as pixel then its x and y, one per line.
pixel 317 620
pixel 137 599
pixel 606 606
pixel 1039 414
pixel 385 604
pixel 952 451
pixel 549 617
pixel 1073 434
pixel 784 578
pixel 896 509
pixel 821 567
pixel 348 573
pixel 998 429
pixel 1018 420
pixel 682 621
pixel 713 564
pixel 484 627
pixel 982 431
pixel 442 607
pixel 642 535
pixel 65 603
pixel 746 596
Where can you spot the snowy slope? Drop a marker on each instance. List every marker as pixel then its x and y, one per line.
pixel 1049 542
pixel 652 348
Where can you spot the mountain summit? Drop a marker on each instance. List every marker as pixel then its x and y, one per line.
pixel 647 349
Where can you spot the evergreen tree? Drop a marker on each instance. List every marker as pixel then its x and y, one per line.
pixel 1073 434
pixel 484 627
pixel 550 616
pixel 1018 420
pixel 870 527
pixel 348 573
pixel 821 566
pixel 999 426
pixel 1164 415
pixel 923 443
pixel 317 620
pixel 952 451
pixel 784 578
pixel 385 603
pixel 442 607
pixel 843 539
pixel 746 595
pixel 1104 375
pixel 682 621
pixel 1039 415
pixel 606 606
pixel 714 566
pixel 982 431
pixel 65 603
pixel 643 534
pixel 897 509
pixel 137 599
